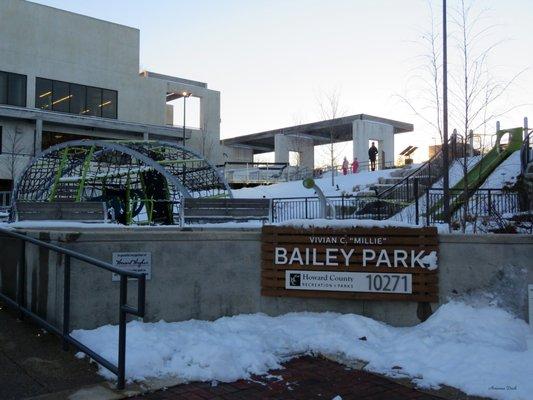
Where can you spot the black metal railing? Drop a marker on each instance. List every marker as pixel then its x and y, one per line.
pixel 5 199
pixel 344 207
pixel 407 190
pixel 482 203
pixel 124 309
pixel 363 166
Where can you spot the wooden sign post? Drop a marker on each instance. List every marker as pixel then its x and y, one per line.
pixel 393 263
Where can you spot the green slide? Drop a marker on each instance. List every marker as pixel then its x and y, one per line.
pixel 481 171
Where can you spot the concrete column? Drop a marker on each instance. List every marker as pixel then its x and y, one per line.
pixel 38 139
pixel 360 142
pixel 146 136
pixel 281 148
pixel 306 148
pixel 364 131
pixel 307 156
pixel 387 144
pixel 208 142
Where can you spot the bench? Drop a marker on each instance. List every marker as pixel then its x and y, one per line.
pixel 64 211
pixel 223 210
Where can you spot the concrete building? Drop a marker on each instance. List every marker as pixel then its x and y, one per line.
pixel 360 128
pixel 66 76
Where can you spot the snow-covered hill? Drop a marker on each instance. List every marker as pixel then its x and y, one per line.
pixel 505 174
pixel 345 183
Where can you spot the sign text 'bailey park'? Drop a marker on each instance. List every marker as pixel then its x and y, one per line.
pixel 393 263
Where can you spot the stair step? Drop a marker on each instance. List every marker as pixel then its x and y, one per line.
pixel 391 181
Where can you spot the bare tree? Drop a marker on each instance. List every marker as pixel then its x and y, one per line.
pixel 330 108
pixel 427 76
pixel 476 92
pixel 14 151
pixel 477 95
pixel 475 88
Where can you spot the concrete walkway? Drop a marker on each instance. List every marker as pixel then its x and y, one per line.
pixel 33 364
pixel 302 378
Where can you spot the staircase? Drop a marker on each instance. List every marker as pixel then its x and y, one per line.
pixel 395 177
pixel 404 186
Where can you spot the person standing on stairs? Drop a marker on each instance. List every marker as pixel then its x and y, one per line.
pixel 372 153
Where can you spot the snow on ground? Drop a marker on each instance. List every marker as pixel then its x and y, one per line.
pixel 346 183
pixel 505 174
pixel 111 225
pixel 478 349
pixel 345 223
pixel 456 171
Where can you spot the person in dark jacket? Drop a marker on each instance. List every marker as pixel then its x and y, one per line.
pixel 372 153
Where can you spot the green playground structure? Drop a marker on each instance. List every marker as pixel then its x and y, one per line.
pixel 481 171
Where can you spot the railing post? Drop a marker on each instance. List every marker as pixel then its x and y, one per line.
pixel 66 301
pixel 21 279
pixel 306 212
pixel 427 206
pixel 121 376
pixel 342 206
pixel 489 202
pixel 415 189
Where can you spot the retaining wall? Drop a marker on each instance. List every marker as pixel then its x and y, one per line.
pixel 207 274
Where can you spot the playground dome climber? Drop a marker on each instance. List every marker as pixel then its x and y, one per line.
pixel 140 181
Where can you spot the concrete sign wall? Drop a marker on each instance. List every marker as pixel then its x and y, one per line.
pixel 209 274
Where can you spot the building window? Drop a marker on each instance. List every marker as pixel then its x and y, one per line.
pixel 43 96
pixel 94 101
pixel 13 89
pixel 78 96
pixel 109 103
pixel 60 96
pixel 75 99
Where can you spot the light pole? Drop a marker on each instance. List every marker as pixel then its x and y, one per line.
pixel 445 161
pixel 185 95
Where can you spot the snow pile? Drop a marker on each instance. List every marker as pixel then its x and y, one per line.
pixel 456 172
pixel 345 223
pixel 346 183
pixel 476 349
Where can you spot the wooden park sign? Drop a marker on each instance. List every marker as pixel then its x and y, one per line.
pixel 362 263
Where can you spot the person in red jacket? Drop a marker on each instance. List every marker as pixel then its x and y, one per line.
pixel 355 165
pixel 345 166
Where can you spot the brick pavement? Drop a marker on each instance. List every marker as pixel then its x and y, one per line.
pixel 302 378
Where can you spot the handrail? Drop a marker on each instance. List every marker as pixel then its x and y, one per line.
pixel 124 308
pixel 425 164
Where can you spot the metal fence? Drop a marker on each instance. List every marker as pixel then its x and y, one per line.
pixel 19 303
pixel 426 207
pixel 342 207
pixel 5 200
pixel 483 203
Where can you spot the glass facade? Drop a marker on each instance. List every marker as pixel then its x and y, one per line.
pixel 13 89
pixel 73 98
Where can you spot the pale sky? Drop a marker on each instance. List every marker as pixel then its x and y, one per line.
pixel 271 59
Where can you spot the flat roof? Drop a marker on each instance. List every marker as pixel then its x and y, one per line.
pixel 263 142
pixel 98 123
